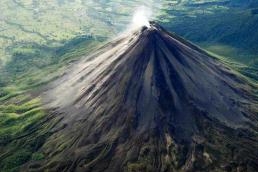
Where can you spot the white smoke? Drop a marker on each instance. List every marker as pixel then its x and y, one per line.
pixel 141 17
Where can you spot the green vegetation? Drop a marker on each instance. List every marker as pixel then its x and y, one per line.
pixel 32 66
pixel 36 27
pixel 227 28
pixel 53 23
pixel 37 156
pixel 44 23
pixel 16 118
pixel 19 137
pixel 24 125
pixel 38 39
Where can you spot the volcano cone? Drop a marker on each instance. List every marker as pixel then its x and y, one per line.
pixel 151 101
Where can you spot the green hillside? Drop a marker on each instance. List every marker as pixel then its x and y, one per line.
pixel 24 126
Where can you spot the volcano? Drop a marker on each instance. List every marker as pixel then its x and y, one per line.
pixel 150 101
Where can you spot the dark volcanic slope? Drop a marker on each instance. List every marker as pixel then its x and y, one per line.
pixel 150 101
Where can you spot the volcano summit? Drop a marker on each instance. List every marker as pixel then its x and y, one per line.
pixel 151 101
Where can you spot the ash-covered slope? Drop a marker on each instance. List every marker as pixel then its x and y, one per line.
pixel 150 101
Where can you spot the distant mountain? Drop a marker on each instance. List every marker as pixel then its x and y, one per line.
pixel 150 101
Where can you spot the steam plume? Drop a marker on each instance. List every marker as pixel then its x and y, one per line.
pixel 141 17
